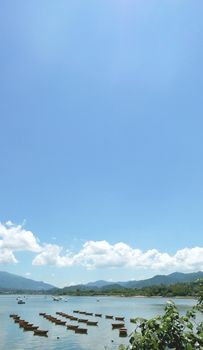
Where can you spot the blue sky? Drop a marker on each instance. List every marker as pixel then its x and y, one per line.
pixel 100 138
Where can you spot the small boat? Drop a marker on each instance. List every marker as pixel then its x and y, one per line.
pixel 59 322
pixel 16 318
pixel 30 328
pixel 92 323
pixel 56 298
pixel 98 315
pixel 117 325
pixel 21 301
pixel 89 313
pixel 81 330
pixel 72 326
pixel 40 332
pixel 119 318
pixel 109 316
pixel 72 318
pixel 22 323
pixel 82 320
pixel 123 332
pixel 42 314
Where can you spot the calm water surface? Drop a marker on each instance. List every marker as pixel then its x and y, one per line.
pixel 98 338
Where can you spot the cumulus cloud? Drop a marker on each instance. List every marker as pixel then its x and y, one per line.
pixel 94 254
pixel 7 257
pixel 15 238
pixel 100 254
pixel 50 255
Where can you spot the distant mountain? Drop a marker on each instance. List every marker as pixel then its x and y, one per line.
pixel 15 282
pixel 99 284
pixel 173 278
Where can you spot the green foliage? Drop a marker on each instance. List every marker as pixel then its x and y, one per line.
pixel 170 331
pixel 192 289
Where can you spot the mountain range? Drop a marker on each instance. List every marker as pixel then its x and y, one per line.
pixel 14 282
pixel 9 281
pixel 173 278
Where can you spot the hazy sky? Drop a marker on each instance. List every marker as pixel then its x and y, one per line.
pixel 101 146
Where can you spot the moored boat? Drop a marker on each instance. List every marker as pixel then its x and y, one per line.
pixel 21 301
pixel 92 323
pixel 123 332
pixel 109 317
pixel 82 320
pixel 59 322
pixel 117 325
pixel 72 326
pixel 30 327
pixel 81 330
pixel 72 318
pixel 41 332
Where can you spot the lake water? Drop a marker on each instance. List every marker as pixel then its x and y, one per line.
pixel 98 338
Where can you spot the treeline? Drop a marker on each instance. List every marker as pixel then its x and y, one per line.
pixel 179 289
pixel 192 289
pixel 8 291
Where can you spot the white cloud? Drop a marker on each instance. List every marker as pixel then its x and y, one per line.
pixel 95 254
pixel 7 257
pixel 15 238
pixel 100 254
pixel 50 255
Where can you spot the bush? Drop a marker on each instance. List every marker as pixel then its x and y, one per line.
pixel 170 331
